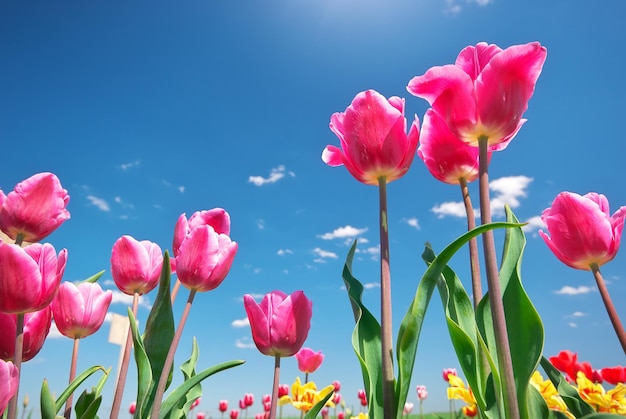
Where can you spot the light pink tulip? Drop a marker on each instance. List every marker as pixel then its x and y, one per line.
pixel 35 208
pixel 79 310
pixel 581 230
pixel 447 371
pixel 446 157
pixel 29 276
pixel 36 329
pixel 486 91
pixel 136 265
pixel 408 408
pixel 309 360
pixel 280 323
pixel 374 142
pixel 422 393
pixel 9 380
pixel 217 218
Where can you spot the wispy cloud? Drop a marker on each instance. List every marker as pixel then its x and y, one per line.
pixel 99 203
pixel 240 322
pixel 534 223
pixel 276 174
pixel 324 253
pixel 567 290
pixel 244 343
pixel 413 222
pixel 120 201
pixel 283 252
pixel 129 165
pixel 120 298
pixel 343 232
pixel 452 209
pixel 453 7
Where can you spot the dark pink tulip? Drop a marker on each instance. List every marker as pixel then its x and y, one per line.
pixel 447 372
pixel 341 415
pixel 309 360
pixel 36 328
pixel 79 310
pixel 234 414
pixel 132 408
pixel 486 91
pixel 581 230
pixel 136 265
pixel 283 390
pixel 248 399
pixel 29 276
pixel 336 386
pixel 223 406
pixel 35 208
pixel 217 218
pixel 281 323
pixel 337 398
pixel 374 142
pixel 9 378
pixel 200 415
pixel 242 404
pixel 266 398
pixel 204 258
pixel 195 403
pixel 361 394
pixel 446 157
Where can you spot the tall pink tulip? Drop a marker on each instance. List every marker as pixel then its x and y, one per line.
pixel 34 209
pixel 374 142
pixel 136 265
pixel 36 328
pixel 29 276
pixel 280 323
pixel 309 360
pixel 581 230
pixel 217 218
pixel 485 93
pixel 9 379
pixel 79 310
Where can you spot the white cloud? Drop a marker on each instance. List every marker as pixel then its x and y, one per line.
pixel 453 209
pixel 283 252
pixel 567 290
pixel 276 174
pixel 578 314
pixel 126 166
pixel 240 322
pixel 181 189
pixel 572 324
pixel 260 224
pixel 54 332
pixel 372 250
pixel 99 202
pixel 413 222
pixel 534 223
pixel 507 190
pixel 324 253
pixel 244 343
pixel 120 298
pixel 343 232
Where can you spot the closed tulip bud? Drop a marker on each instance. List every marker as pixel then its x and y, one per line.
pixel 36 328
pixel 223 406
pixel 9 377
pixel 29 276
pixel 336 386
pixel 132 408
pixel 217 218
pixel 447 371
pixel 200 415
pixel 136 265
pixel 309 360
pixel 79 310
pixel 248 399
pixel 234 414
pixel 242 404
pixel 341 415
pixel 34 209
pixel 422 393
pixel 280 323
pixel 283 390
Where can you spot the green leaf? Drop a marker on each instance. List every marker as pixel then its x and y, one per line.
pixel 188 369
pixel 75 384
pixel 94 278
pixel 87 405
pixel 144 372
pixel 46 402
pixel 313 412
pixel 537 406
pixel 569 394
pixel 365 340
pixel 179 393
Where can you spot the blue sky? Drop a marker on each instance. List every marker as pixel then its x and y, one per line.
pixel 149 109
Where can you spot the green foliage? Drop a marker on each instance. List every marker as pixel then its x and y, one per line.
pixel 313 412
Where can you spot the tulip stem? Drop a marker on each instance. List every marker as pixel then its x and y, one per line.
pixel 167 366
pixel 493 283
pixel 385 307
pixel 175 289
pixel 275 387
pixel 17 361
pixel 477 292
pixel 121 376
pixel 68 403
pixel 608 304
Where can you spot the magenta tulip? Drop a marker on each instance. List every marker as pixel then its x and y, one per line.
pixel 581 230
pixel 309 360
pixel 374 142
pixel 9 380
pixel 29 276
pixel 280 323
pixel 136 265
pixel 79 310
pixel 34 209
pixel 36 328
pixel 204 258
pixel 217 218
pixel 223 405
pixel 485 93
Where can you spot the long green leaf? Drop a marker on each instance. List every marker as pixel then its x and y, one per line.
pixel 568 393
pixel 75 384
pixel 188 369
pixel 312 413
pixel 144 372
pixel 46 402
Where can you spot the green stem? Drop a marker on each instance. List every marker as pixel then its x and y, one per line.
pixel 275 387
pixel 169 359
pixel 495 295
pixel 477 292
pixel 385 307
pixel 68 402
pixel 17 361
pixel 610 308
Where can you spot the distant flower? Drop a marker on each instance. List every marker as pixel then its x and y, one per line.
pixel 457 390
pixel 79 310
pixel 200 415
pixel 341 415
pixel 447 371
pixel 304 397
pixel 9 377
pixel 422 393
pixel 136 265
pixel 234 414
pixel 336 386
pixel 223 406
pixel 408 408
pixel 132 408
pixel 195 403
pixel 248 399
pixel 337 398
pixel 309 360
pixel 614 375
pixel 283 390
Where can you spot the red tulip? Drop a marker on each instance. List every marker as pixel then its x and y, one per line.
pixel 79 310
pixel 266 398
pixel 361 394
pixel 200 415
pixel 136 265
pixel 308 360
pixel 336 398
pixel 341 415
pixel 565 362
pixel 9 377
pixel 485 93
pixel 614 375
pixel 35 208
pixel 447 371
pixel 36 328
pixel 248 399
pixel 374 142
pixel 223 406
pixel 581 230
pixel 234 414
pixel 217 218
pixel 283 390
pixel 132 408
pixel 281 323
pixel 29 276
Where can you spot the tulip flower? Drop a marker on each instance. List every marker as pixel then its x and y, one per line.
pixel 447 371
pixel 242 404
pixel 336 386
pixel 422 393
pixel 248 399
pixel 373 137
pixel 283 390
pixel 132 408
pixel 200 415
pixel 34 209
pixel 408 408
pixel 309 360
pixel 223 406
pixel 304 397
pixel 136 265
pixel 36 328
pixel 614 375
pixel 234 414
pixel 9 378
pixel 485 93
pixel 217 218
pixel 79 310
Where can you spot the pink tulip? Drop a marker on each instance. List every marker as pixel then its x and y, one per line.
pixel 341 415
pixel 283 390
pixel 324 412
pixel 422 393
pixel 486 91
pixel 79 310
pixel 581 230
pixel 132 408
pixel 374 142
pixel 136 265
pixel 447 372
pixel 361 394
pixel 205 253
pixel 309 360
pixel 29 276
pixel 195 403
pixel 234 414
pixel 35 208
pixel 281 323
pixel 408 408
pixel 36 328
pixel 223 405
pixel 266 398
pixel 336 386
pixel 9 378
pixel 248 399
pixel 446 157
pixel 242 404
pixel 200 415
pixel 336 398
